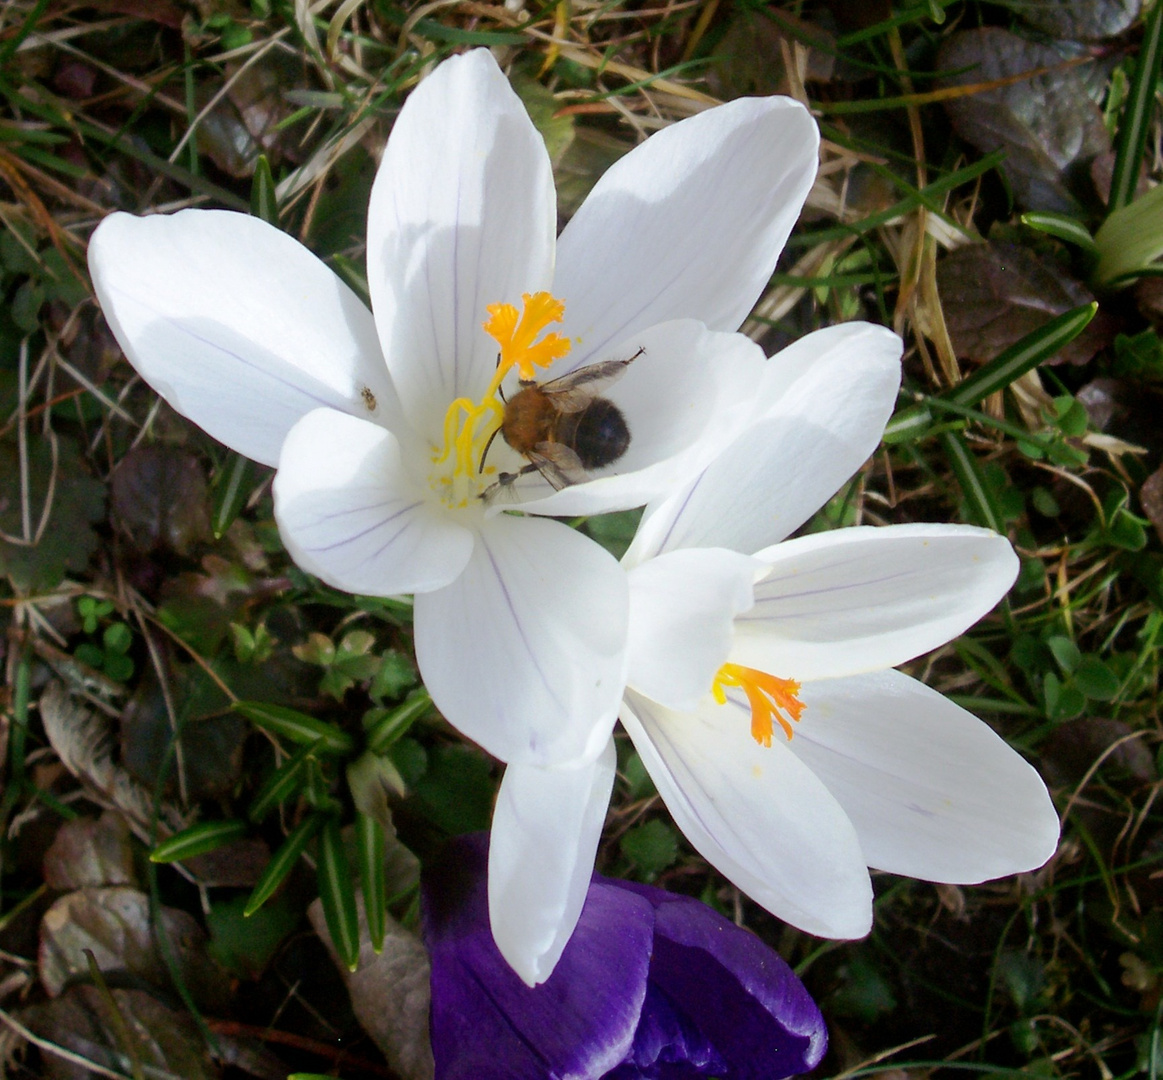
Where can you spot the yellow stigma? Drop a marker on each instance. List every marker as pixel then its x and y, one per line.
pixel 469 425
pixel 516 335
pixel 769 697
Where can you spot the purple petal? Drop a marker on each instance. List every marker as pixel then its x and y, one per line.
pixel 486 1023
pixel 668 1045
pixel 741 995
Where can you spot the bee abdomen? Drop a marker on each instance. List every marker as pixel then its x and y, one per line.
pixel 598 434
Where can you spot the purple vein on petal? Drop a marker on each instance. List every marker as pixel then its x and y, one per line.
pixel 183 329
pixel 520 629
pixel 370 529
pixel 749 616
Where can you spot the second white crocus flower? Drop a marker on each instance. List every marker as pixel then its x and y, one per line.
pixel 382 426
pixel 761 696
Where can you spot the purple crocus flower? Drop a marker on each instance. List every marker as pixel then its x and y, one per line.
pixel 652 986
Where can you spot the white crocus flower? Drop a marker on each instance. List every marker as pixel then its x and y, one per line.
pixel 761 696
pixel 382 426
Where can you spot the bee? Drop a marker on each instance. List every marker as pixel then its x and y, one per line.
pixel 564 427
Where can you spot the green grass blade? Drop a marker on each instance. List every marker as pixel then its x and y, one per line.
pixel 197 840
pixel 232 488
pixel 283 861
pixel 263 201
pixel 371 844
pixel 1012 363
pixel 296 726
pixel 337 892
pixel 1137 113
pixel 1007 367
pixel 926 196
pixel 982 509
pixel 8 49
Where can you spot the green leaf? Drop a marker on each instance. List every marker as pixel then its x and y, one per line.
pixel 282 862
pixel 1063 226
pixel 296 726
pixel 118 638
pixel 614 531
pixel 281 784
pixel 337 892
pixel 118 667
pixel 457 790
pixel 1097 681
pixel 1065 652
pixel 88 653
pixel 638 781
pixel 390 725
pixel 543 109
pixel 651 847
pixel 371 847
pixel 1137 115
pixel 91 611
pixel 396 674
pixel 864 993
pixel 317 789
pixel 245 945
pixel 197 840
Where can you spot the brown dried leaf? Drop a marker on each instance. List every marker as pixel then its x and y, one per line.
pixel 211 738
pixel 83 1021
pixel 82 742
pixel 1151 499
pixel 238 865
pixel 1070 752
pixel 159 11
pixel 114 923
pixel 750 55
pixel 1079 20
pixel 1047 123
pixel 994 294
pixel 245 123
pixel 91 851
pixel 159 497
pixel 389 993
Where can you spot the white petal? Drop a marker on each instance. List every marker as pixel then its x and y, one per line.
pixel 525 651
pixel 462 215
pixel 682 616
pixel 932 791
pixel 238 326
pixel 825 402
pixel 757 814
pixel 351 514
pixel 687 225
pixel 683 399
pixel 861 599
pixel 546 828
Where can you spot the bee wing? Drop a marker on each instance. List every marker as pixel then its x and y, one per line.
pixel 573 392
pixel 558 464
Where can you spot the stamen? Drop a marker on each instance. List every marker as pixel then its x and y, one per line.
pixel 515 335
pixel 769 697
pixel 470 426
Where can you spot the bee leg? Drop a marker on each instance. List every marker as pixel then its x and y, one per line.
pixel 504 480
